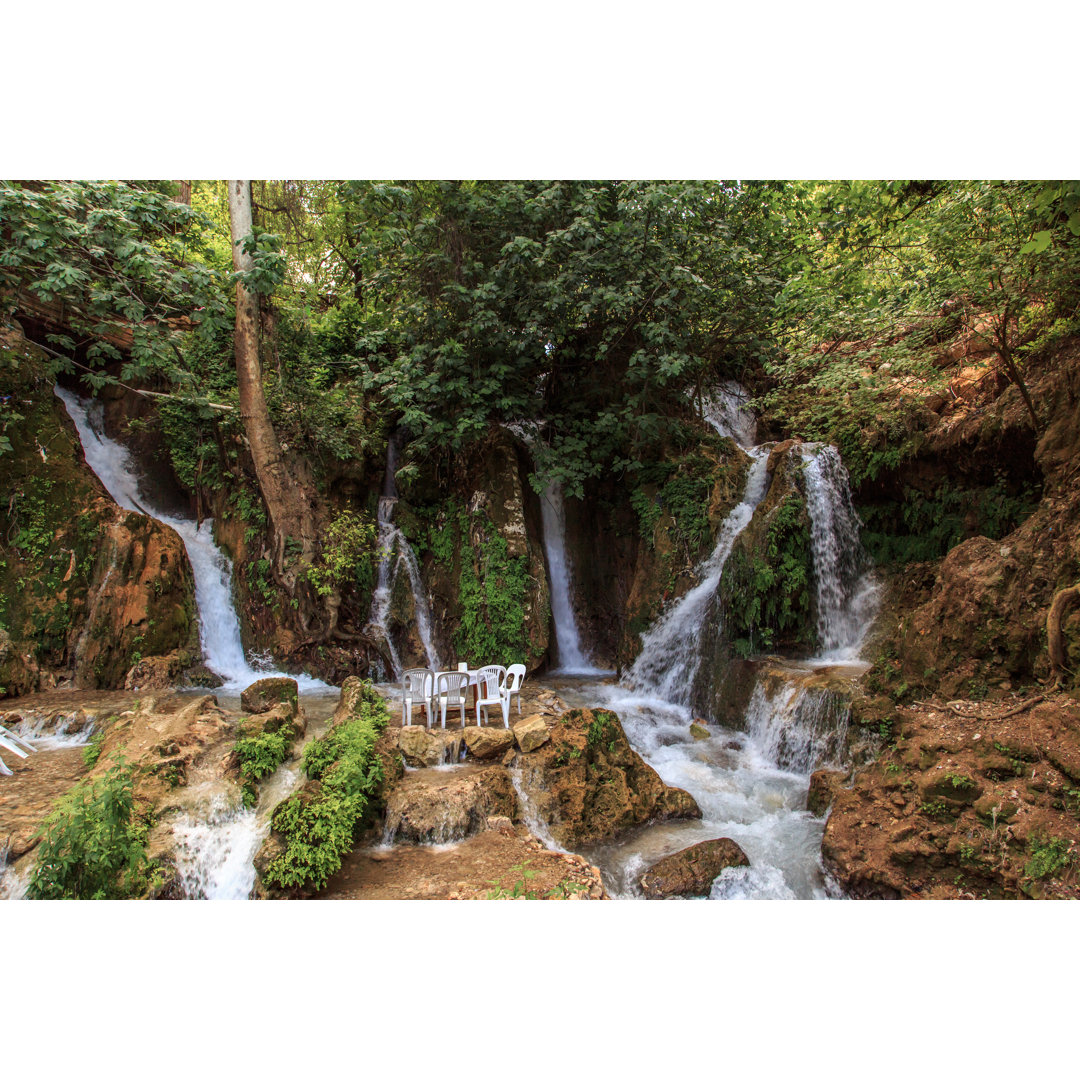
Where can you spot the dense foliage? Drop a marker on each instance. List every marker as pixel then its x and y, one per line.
pixel 317 824
pixel 93 844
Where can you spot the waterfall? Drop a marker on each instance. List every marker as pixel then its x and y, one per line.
pixel 670 655
pixel 219 627
pixel 569 654
pixel 395 552
pixel 846 593
pixel 797 728
pixel 214 854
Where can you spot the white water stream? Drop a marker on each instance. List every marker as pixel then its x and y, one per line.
pixel 569 654
pixel 751 786
pixel 394 553
pixel 219 627
pixel 670 656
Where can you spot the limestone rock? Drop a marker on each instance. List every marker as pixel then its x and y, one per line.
pixel 691 872
pixel 530 733
pixel 157 672
pixel 699 730
pixel 488 742
pixel 263 695
pixel 439 807
pixel 422 748
pixel 587 783
pixel 823 787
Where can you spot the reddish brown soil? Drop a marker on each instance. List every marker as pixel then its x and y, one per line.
pixel 965 806
pixel 465 871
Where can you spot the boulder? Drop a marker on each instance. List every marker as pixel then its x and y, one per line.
pixel 157 672
pixel 823 787
pixel 422 748
pixel 441 807
pixel 587 783
pixel 263 695
pixel 488 742
pixel 699 730
pixel 282 717
pixel 691 872
pixel 530 733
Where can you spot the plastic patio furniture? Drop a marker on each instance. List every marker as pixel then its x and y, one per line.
pixel 451 688
pixel 490 690
pixel 417 686
pixel 515 676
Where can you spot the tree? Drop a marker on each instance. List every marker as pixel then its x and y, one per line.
pixel 286 495
pixel 890 268
pixel 595 306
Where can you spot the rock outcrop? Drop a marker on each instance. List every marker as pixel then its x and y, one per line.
pixel 586 783
pixel 434 807
pixel 87 590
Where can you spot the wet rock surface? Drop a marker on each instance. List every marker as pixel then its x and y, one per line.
pixel 440 806
pixel 263 695
pixel 487 864
pixel 690 872
pixel 587 782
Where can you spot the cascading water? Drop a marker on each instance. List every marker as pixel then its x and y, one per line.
pixel 797 728
pixel 846 593
pixel 750 786
pixel 669 657
pixel 219 627
pixel 569 653
pixel 395 552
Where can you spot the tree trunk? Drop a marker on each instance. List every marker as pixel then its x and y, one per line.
pixel 290 515
pixel 1055 639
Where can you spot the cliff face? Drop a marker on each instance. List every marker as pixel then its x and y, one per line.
pixel 973 791
pixel 87 589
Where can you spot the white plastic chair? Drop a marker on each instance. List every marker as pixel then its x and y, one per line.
pixel 451 688
pixel 515 676
pixel 417 685
pixel 10 741
pixel 490 690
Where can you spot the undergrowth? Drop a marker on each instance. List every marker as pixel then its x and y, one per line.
pixel 93 845
pixel 318 823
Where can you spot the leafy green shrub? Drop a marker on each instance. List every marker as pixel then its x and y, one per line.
pixel 92 750
pixel 348 554
pixel 318 823
pixel 92 845
pixel 768 595
pixel 493 602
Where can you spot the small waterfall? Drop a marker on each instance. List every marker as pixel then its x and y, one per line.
pixel 670 656
pixel 395 552
pixel 219 627
pixel 727 408
pixel 569 654
pixel 214 854
pixel 846 593
pixel 796 728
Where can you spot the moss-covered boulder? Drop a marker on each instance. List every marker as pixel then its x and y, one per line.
pixel 587 783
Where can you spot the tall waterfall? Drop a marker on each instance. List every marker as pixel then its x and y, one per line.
pixel 568 650
pixel 846 593
pixel 395 552
pixel 219 627
pixel 670 654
